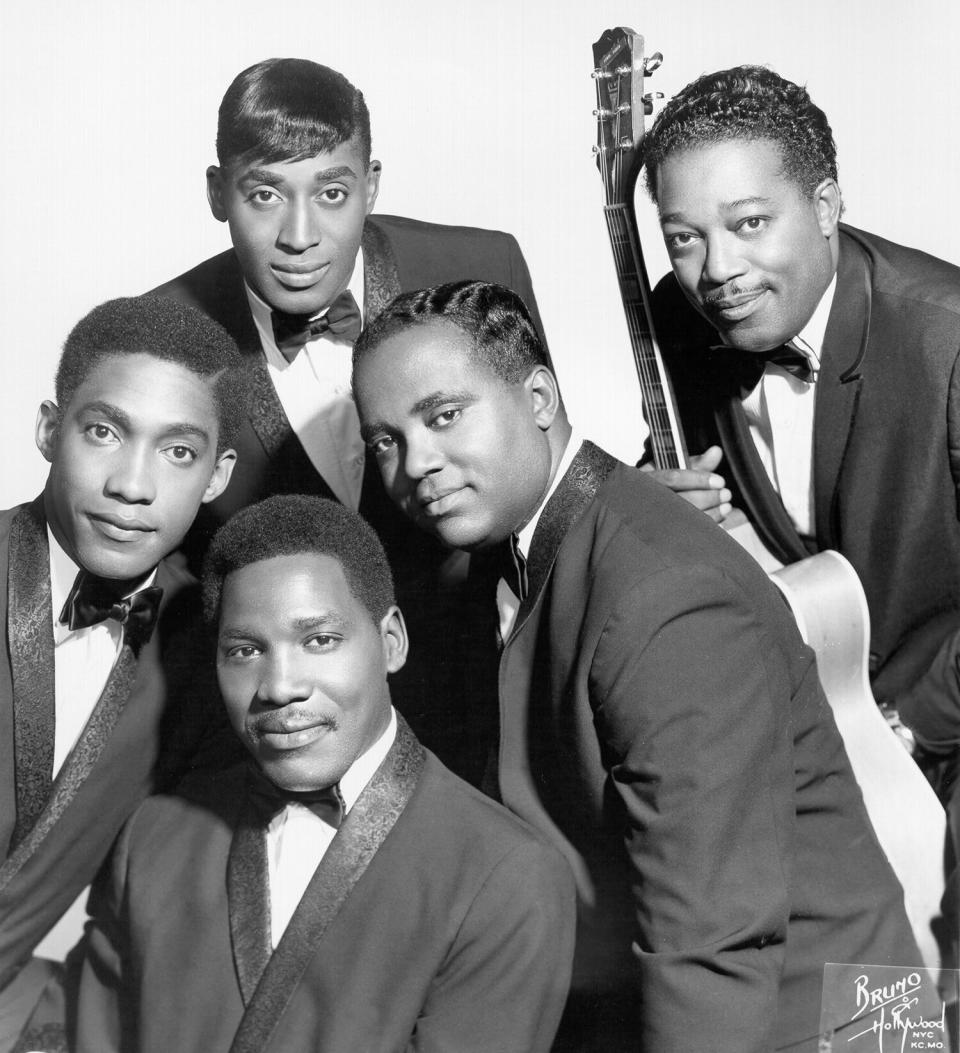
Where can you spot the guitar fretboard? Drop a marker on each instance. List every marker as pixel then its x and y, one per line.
pixel 666 440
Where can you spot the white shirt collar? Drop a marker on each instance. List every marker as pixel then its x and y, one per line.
pixel 263 313
pixel 525 536
pixel 810 338
pixel 356 777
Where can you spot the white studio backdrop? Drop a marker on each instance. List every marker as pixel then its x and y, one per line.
pixel 481 115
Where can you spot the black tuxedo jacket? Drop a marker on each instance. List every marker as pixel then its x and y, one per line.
pixel 886 464
pixel 141 731
pixel 436 922
pixel 663 721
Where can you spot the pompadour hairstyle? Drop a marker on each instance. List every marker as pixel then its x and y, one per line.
pixel 495 319
pixel 288 109
pixel 291 524
pixel 164 329
pixel 749 103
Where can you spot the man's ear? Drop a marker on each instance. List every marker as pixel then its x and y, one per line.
pixel 48 429
pixel 393 633
pixel 373 184
pixel 829 204
pixel 215 193
pixel 222 471
pixel 544 394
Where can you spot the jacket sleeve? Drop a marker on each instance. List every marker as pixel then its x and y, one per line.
pixel 692 699
pixel 105 1012
pixel 504 982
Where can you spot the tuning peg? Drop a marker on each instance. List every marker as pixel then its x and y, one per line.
pixel 648 101
pixel 652 63
pixel 599 74
pixel 603 115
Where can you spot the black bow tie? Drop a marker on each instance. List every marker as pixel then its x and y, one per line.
pixel 292 331
pixel 745 368
pixel 512 565
pixel 93 600
pixel 270 800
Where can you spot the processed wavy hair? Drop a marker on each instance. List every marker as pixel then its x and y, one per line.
pixel 288 109
pixel 503 337
pixel 164 329
pixel 292 524
pixel 749 103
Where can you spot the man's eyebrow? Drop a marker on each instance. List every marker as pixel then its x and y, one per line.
pixel 322 620
pixel 255 176
pixel 176 429
pixel 724 206
pixel 107 409
pixel 185 429
pixel 440 398
pixel 428 402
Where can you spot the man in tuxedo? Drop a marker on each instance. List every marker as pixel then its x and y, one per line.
pixel 296 185
pixel 374 900
pixel 95 699
pixel 660 718
pixel 851 442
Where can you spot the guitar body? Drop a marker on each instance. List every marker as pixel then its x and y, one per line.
pixel 830 607
pixel 823 591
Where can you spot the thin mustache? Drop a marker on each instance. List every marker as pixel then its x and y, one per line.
pixel 729 293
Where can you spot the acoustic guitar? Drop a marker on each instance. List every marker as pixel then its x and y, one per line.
pixel 823 591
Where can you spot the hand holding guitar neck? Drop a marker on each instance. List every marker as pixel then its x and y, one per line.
pixel 823 591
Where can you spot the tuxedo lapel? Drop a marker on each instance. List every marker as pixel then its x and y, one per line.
pixel 80 762
pixel 30 639
pixel 840 382
pixel 573 494
pixel 381 280
pixel 364 830
pixel 248 887
pixel 764 508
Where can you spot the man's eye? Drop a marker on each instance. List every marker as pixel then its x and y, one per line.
pixel 264 196
pixel 242 651
pixel 334 195
pixel 753 223
pixel 322 641
pixel 445 417
pixel 679 241
pixel 382 445
pixel 100 433
pixel 182 454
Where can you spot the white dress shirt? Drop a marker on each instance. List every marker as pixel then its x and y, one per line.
pixel 297 839
pixel 508 602
pixel 82 659
pixel 316 396
pixel 779 411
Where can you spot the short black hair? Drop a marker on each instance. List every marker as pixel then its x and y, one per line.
pixel 288 109
pixel 291 524
pixel 494 318
pixel 749 103
pixel 164 329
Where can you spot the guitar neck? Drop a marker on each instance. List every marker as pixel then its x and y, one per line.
pixel 660 409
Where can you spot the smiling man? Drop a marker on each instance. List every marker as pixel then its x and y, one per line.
pixel 660 719
pixel 374 901
pixel 97 708
pixel 835 399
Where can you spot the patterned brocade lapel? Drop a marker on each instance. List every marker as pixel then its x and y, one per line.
pixel 364 830
pixel 31 651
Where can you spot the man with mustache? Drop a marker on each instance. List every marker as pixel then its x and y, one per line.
pixel 832 408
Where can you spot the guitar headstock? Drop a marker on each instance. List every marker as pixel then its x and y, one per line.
pixel 622 107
